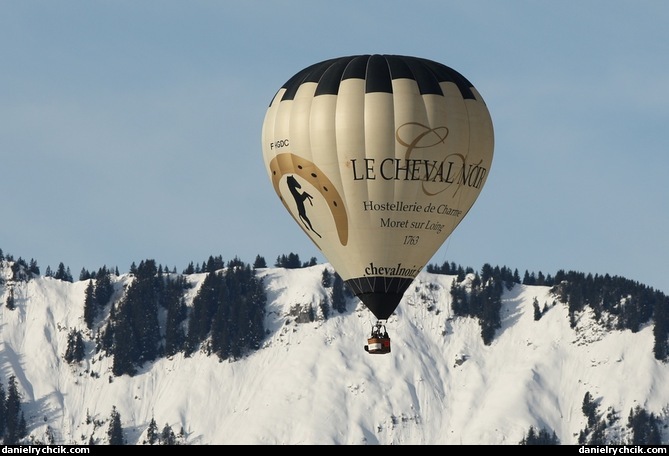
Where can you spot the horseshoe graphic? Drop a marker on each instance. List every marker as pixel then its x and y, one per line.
pixel 288 163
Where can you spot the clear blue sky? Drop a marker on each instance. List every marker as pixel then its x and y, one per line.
pixel 130 130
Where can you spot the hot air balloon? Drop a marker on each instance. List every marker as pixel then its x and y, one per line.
pixel 378 158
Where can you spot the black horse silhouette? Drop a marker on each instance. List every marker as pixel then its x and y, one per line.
pixel 294 187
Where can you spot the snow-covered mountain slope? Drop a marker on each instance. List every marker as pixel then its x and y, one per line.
pixel 313 383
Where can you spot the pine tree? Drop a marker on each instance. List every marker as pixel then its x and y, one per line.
pixel 486 273
pixel 136 328
pixel 13 414
pixel 84 275
pixel 589 409
pixel 90 307
pixel 259 263
pixel 338 294
pixel 214 264
pixel 531 436
pixel 104 289
pixel 661 329
pixel 237 325
pixel 148 294
pixel 33 268
pixel 167 436
pixel 115 431
pixel 50 436
pixel 124 345
pixel 152 432
pixel 190 269
pixel 75 347
pixel 205 306
pixel 292 261
pixel 63 273
pixel 459 299
pixel 3 410
pixel 326 278
pixel 256 302
pixel 644 426
pixel 490 298
pixel 313 261
pixel 325 310
pixel 22 430
pixel 542 437
pixel 11 302
pixel 537 311
pixel 176 314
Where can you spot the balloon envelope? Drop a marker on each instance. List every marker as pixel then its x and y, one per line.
pixel 378 158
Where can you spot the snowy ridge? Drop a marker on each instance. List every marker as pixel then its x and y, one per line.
pixel 312 383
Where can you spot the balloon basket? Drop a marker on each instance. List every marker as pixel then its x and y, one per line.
pixel 379 342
